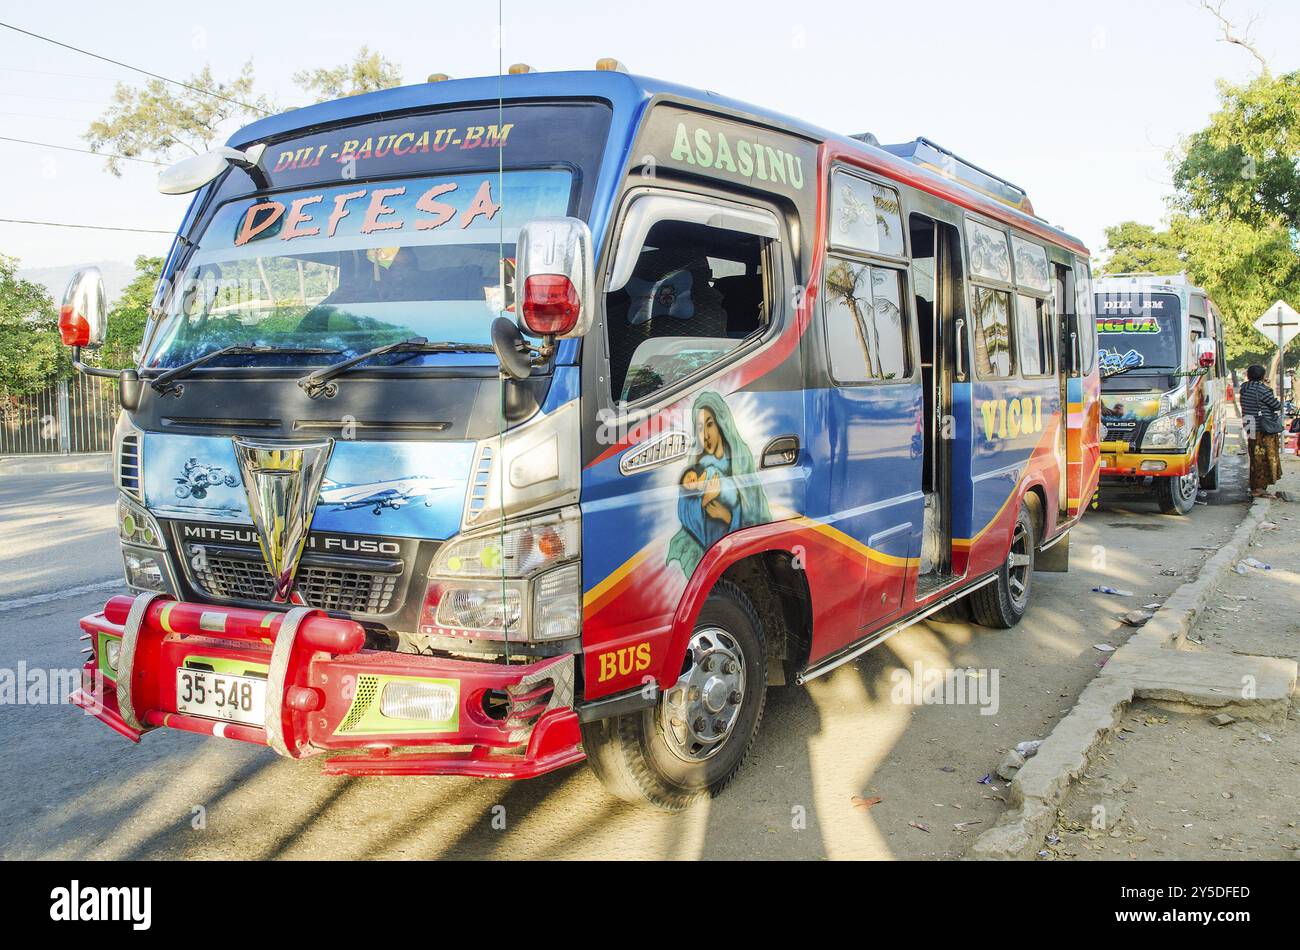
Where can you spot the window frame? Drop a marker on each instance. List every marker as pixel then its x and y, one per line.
pixel 906 320
pixel 1044 333
pixel 853 171
pixel 1008 287
pixel 902 263
pixel 777 270
pixel 1085 309
pixel 1045 297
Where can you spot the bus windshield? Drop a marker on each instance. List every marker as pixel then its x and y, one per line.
pixel 348 267
pixel 379 230
pixel 1137 334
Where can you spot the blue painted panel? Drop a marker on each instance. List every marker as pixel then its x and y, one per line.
pixel 398 489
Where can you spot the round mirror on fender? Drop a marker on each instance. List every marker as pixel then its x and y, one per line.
pixel 510 348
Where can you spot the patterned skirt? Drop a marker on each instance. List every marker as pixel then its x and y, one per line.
pixel 1265 461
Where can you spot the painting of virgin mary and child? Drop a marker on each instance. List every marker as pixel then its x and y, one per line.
pixel 719 491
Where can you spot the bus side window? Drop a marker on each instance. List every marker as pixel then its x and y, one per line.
pixel 1083 308
pixel 992 333
pixel 696 293
pixel 865 326
pixel 990 260
pixel 1035 331
pixel 1220 344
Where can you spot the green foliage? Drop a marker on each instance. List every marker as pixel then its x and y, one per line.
pixel 1242 166
pixel 368 72
pixel 1245 269
pixel 1140 248
pixel 159 120
pixel 31 354
pixel 130 314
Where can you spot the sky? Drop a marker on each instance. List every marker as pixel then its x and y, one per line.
pixel 1079 104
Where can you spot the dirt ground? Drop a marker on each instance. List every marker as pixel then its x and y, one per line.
pixel 1176 786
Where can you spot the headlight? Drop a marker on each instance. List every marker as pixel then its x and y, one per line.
pixel 112 652
pixel 137 526
pixel 403 699
pixel 520 579
pixel 557 604
pixel 520 549
pixel 143 571
pixel 1170 431
pixel 1172 402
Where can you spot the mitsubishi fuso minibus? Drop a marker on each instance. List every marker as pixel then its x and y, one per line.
pixel 485 426
pixel 1163 387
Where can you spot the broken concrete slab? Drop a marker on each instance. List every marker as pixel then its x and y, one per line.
pixel 1250 687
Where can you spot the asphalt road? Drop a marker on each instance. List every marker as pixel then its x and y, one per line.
pixel 74 789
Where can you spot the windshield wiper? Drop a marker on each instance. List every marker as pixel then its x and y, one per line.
pixel 162 383
pixel 314 384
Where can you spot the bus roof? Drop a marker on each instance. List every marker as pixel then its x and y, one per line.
pixel 1148 282
pixel 629 95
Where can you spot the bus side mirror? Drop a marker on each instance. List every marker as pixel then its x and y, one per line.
pixel 83 316
pixel 1205 353
pixel 191 174
pixel 555 286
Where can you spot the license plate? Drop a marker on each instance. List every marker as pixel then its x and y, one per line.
pixel 221 696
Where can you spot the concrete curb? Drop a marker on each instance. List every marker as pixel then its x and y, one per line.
pixel 55 464
pixel 1148 666
pixel 1178 615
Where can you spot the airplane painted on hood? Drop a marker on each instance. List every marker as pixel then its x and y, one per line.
pixel 392 493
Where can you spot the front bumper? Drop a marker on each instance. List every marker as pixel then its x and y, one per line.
pixel 323 692
pixel 1117 460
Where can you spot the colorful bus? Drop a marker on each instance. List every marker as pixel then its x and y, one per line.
pixel 1164 387
pixel 479 436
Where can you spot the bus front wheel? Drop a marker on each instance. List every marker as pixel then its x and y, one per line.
pixel 695 738
pixel 1177 495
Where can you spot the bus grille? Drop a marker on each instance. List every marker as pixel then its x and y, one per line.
pixel 226 576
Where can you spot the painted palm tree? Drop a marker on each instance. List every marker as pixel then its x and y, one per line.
pixel 846 284
pixel 994 323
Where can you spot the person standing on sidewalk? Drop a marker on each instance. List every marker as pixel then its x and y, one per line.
pixel 1259 414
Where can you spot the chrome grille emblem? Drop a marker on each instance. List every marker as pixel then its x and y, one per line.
pixel 283 484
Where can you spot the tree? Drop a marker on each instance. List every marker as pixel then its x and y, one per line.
pixel 368 72
pixel 1139 248
pixel 31 354
pixel 160 120
pixel 130 314
pixel 1233 36
pixel 1242 166
pixel 1245 269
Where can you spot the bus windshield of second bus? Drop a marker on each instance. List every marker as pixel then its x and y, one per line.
pixel 1138 335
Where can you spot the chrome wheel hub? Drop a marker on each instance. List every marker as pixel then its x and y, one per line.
pixel 700 710
pixel 1019 560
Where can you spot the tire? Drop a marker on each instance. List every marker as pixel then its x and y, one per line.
pixel 1177 496
pixel 645 758
pixel 1002 603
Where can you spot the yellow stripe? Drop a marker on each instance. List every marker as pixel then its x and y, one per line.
pixel 617 575
pixel 164 618
pixel 839 537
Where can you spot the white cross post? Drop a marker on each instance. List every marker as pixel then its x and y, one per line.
pixel 1279 323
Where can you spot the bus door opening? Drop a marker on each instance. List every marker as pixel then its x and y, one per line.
pixel 937 279
pixel 1069 344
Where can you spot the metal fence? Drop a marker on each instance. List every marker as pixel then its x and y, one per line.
pixel 74 415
